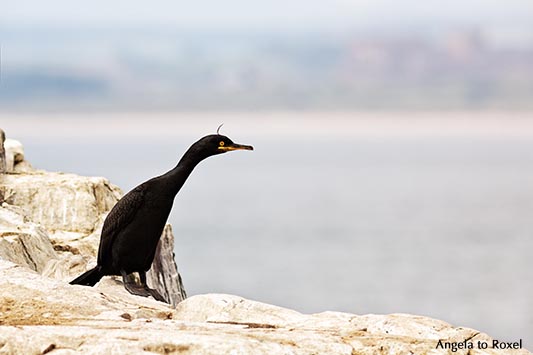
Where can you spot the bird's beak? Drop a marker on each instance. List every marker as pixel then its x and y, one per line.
pixel 234 146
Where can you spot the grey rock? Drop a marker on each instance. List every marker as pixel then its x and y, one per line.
pixel 14 157
pixel 58 201
pixel 23 242
pixel 164 275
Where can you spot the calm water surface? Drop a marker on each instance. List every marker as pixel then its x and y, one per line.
pixel 438 227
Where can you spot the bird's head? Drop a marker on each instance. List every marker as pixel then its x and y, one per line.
pixel 214 144
pixel 222 144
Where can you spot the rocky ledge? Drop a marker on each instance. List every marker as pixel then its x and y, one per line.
pixel 49 229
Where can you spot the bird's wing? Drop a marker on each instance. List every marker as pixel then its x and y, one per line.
pixel 122 214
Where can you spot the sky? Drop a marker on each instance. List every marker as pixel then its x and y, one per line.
pixel 272 14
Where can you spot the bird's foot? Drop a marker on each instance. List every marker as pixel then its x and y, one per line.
pixel 137 290
pixel 144 291
pixel 139 287
pixel 156 295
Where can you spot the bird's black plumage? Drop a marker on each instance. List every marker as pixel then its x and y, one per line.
pixel 134 225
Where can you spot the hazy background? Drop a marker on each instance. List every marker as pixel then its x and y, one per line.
pixel 393 169
pixel 242 55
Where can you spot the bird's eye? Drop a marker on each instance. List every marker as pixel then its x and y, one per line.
pixel 221 143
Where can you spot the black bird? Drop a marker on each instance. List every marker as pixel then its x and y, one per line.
pixel 133 228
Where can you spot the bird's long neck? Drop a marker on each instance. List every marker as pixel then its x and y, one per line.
pixel 176 177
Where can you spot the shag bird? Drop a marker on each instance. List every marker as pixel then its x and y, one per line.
pixel 134 225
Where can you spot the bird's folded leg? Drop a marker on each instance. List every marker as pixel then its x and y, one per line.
pixel 154 293
pixel 133 287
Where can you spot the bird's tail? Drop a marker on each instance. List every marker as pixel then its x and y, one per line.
pixel 89 278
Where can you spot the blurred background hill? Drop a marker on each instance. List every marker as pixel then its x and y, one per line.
pixel 336 56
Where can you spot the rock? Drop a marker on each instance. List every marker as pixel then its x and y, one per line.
pixel 14 155
pixel 35 299
pixel 38 315
pixel 164 275
pixel 214 308
pixel 23 242
pixel 57 201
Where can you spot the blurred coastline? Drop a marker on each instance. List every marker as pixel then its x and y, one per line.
pixel 108 69
pixel 350 125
